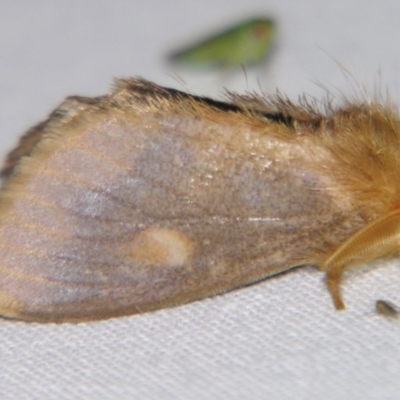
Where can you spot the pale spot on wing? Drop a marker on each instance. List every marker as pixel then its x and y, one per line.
pixel 161 247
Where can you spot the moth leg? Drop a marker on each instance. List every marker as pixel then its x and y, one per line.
pixel 378 239
pixel 333 280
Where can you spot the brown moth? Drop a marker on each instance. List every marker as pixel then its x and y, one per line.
pixel 149 198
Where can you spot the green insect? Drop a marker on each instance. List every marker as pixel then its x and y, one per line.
pixel 244 44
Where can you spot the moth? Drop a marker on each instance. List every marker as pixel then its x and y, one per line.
pixel 244 44
pixel 387 309
pixel 148 198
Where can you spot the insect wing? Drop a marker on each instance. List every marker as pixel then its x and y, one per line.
pixel 147 199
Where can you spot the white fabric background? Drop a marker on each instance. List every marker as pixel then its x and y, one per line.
pixel 280 339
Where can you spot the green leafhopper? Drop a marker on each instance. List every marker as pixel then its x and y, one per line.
pixel 246 43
